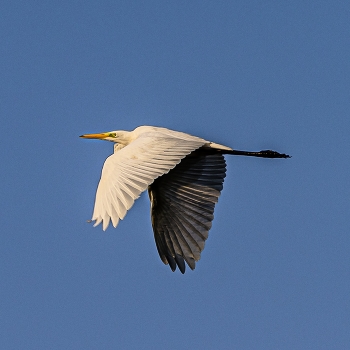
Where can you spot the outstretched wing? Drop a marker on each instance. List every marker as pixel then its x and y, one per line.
pixel 182 203
pixel 128 172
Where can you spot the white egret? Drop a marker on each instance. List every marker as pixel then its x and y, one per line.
pixel 184 175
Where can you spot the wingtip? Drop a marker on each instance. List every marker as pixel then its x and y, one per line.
pixel 180 263
pixel 171 262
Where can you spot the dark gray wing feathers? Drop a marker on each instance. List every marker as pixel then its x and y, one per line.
pixel 182 206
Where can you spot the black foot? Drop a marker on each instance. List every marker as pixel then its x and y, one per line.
pixel 273 154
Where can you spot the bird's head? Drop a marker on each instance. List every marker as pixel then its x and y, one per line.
pixel 118 136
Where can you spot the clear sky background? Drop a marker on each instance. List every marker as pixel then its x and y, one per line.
pixel 275 272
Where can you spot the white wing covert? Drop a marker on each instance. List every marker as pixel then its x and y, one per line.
pixel 129 171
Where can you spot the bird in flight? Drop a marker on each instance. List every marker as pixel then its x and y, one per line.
pixel 184 175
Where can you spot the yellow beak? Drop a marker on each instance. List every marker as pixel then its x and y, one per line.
pixel 100 136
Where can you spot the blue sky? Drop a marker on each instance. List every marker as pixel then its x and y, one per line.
pixel 275 272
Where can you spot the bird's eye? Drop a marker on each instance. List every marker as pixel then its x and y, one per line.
pixel 112 134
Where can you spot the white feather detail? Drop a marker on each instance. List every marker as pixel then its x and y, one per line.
pixel 131 169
